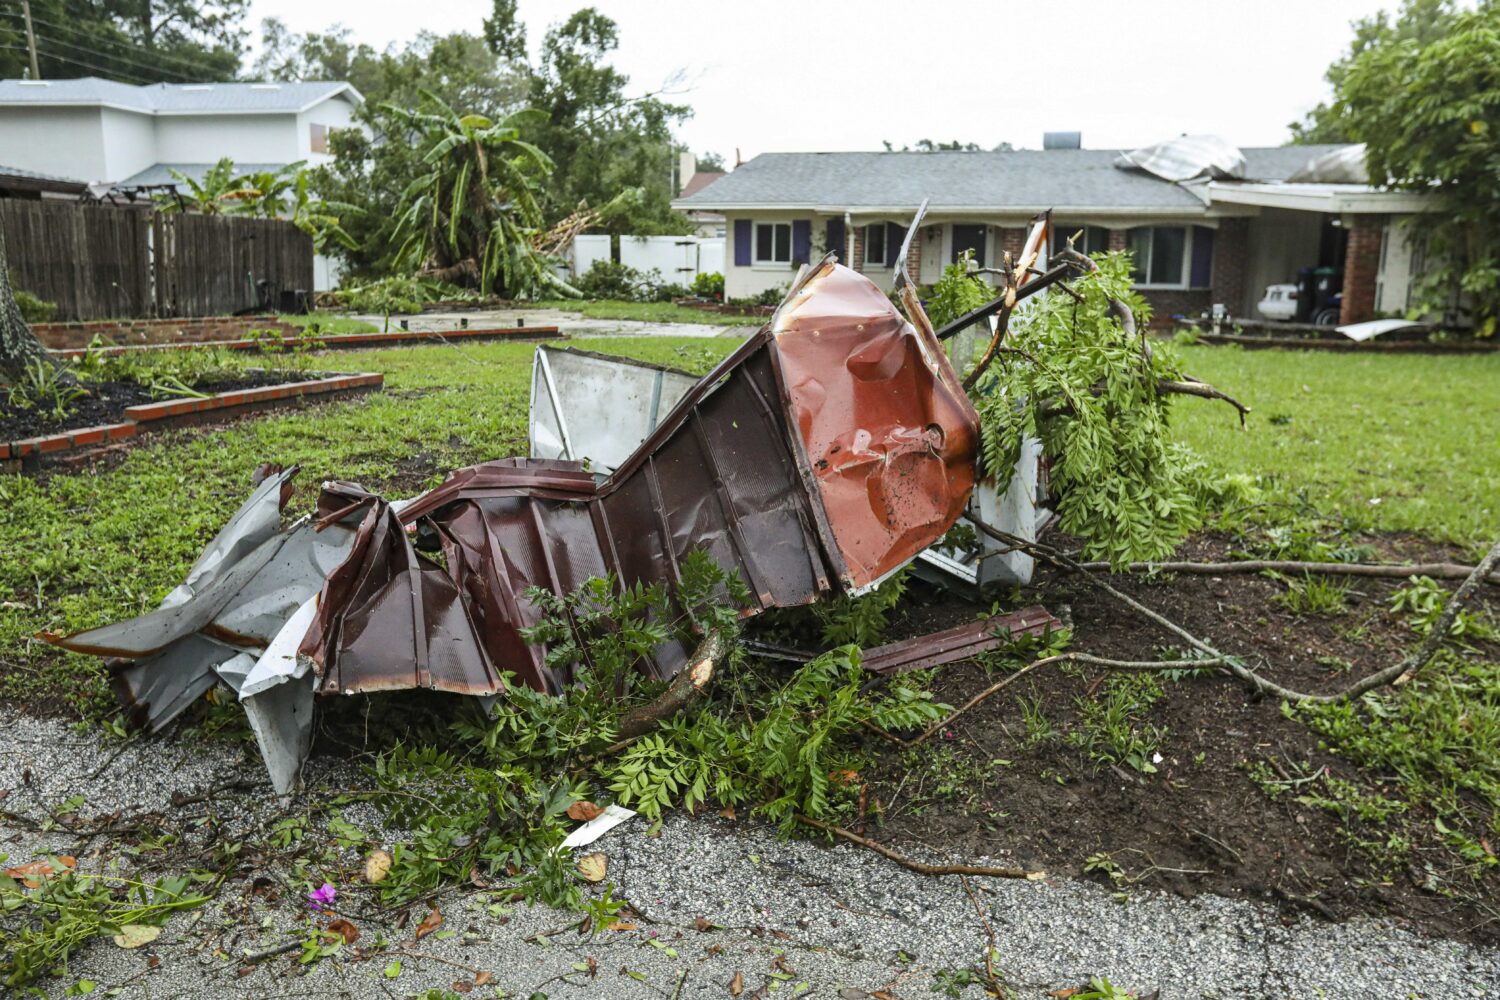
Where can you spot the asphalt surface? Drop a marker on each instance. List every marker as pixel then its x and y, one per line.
pixel 717 899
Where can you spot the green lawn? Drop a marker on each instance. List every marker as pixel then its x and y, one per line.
pixel 1406 442
pixel 649 312
pixel 1418 433
pixel 328 323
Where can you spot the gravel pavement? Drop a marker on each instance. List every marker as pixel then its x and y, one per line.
pixel 574 324
pixel 718 899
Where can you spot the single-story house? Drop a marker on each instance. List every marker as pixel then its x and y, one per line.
pixel 1218 238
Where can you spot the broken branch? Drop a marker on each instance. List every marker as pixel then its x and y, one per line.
pixel 1398 571
pixel 687 687
pixel 918 866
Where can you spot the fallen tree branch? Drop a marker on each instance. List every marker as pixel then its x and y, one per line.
pixel 919 866
pixel 1406 667
pixel 1398 571
pixel 1167 387
pixel 687 687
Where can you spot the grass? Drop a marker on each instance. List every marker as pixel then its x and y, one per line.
pixel 649 312
pixel 1401 442
pixel 329 324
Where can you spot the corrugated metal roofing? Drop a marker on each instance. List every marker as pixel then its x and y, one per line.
pixel 1020 180
pixel 176 98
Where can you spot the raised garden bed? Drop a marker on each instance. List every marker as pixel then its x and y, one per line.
pixel 1306 337
pixel 140 332
pixel 724 307
pixel 116 411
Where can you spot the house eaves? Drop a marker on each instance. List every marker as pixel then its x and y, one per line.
pixel 1334 199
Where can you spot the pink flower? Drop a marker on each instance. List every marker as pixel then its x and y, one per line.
pixel 322 898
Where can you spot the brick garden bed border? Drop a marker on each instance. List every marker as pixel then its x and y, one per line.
pixel 29 454
pixel 341 341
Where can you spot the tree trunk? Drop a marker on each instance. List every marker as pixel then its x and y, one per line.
pixel 20 351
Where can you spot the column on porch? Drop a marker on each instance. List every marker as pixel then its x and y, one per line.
pixel 1230 260
pixel 1361 268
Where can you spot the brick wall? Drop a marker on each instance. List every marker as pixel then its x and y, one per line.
pixel 1119 239
pixel 1361 268
pixel 1231 259
pixel 858 263
pixel 1011 242
pixel 1167 302
pixel 156 331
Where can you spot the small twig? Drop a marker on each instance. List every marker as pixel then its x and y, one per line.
pixel 438 958
pixel 919 866
pixel 280 949
pixel 989 952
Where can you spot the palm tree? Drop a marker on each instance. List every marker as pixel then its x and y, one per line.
pixel 471 218
pixel 210 196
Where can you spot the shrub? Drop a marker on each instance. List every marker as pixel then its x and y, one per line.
pixel 608 279
pixel 709 286
pixel 33 309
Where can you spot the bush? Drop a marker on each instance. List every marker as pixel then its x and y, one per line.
pixel 608 279
pixel 709 286
pixel 33 309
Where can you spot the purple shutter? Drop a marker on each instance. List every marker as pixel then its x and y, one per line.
pixel 801 241
pixel 894 234
pixel 741 242
pixel 837 239
pixel 1201 274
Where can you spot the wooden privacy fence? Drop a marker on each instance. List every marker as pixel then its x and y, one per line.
pixel 104 262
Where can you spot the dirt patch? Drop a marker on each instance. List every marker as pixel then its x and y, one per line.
pixel 106 402
pixel 1201 823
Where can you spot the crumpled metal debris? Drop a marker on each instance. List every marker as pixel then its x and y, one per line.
pixel 819 457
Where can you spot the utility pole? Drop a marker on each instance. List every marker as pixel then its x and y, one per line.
pixel 36 74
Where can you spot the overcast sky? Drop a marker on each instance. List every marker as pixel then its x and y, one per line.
pixel 777 75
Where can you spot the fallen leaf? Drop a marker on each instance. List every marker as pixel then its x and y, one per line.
pixel 393 970
pixel 621 925
pixel 737 984
pixel 702 923
pixel 153 961
pixel 244 971
pixel 781 935
pixel 430 923
pixel 483 979
pixel 850 993
pixel 36 872
pixel 135 935
pixel 1036 876
pixel 593 867
pixel 593 967
pixel 462 986
pixel 728 813
pixel 583 810
pixel 1064 994
pixel 344 929
pixel 377 866
pixel 882 995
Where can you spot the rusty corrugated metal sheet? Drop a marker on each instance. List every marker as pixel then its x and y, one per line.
pixel 821 455
pixel 961 643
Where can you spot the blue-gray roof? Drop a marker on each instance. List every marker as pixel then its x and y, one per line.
pixel 176 98
pixel 33 175
pixel 160 173
pixel 1019 180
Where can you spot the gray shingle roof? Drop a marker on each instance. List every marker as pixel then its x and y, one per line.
pixel 160 173
pixel 35 176
pixel 1022 180
pixel 175 98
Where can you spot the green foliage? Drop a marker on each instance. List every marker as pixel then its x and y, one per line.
pixel 33 309
pixel 42 927
pixel 1314 595
pixel 472 213
pixel 862 620
pixel 1112 728
pixel 709 286
pixel 1422 601
pixel 47 388
pixel 1424 95
pixel 610 280
pixel 164 372
pixel 957 292
pixel 143 41
pixel 1089 392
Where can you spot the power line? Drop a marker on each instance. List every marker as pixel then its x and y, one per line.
pixel 113 58
pixel 198 69
pixel 72 62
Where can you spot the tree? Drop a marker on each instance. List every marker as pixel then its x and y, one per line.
pixel 1428 110
pixel 20 351
pixel 711 162
pixel 471 217
pixel 134 41
pixel 504 33
pixel 1419 21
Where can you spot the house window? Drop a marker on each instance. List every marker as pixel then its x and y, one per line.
pixel 875 244
pixel 1159 256
pixel 773 243
pixel 1091 239
pixel 318 138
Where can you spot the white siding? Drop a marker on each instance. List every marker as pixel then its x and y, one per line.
pixel 242 138
pixel 743 282
pixel 332 114
pixel 65 142
pixel 129 143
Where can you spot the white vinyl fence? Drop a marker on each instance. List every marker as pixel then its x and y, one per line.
pixel 679 259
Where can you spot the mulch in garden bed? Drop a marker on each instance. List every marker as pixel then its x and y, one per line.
pixel 106 403
pixel 1200 824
